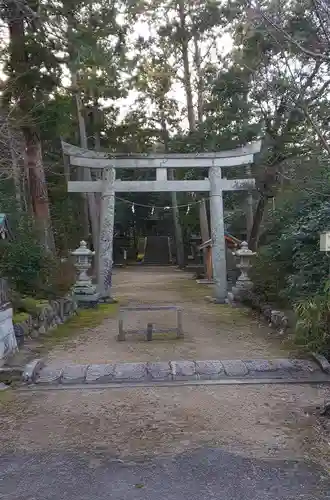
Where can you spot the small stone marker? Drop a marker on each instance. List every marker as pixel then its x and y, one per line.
pixel 150 327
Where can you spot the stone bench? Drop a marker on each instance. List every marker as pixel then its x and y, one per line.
pixel 148 332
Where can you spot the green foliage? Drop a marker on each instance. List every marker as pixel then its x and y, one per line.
pixel 20 317
pixel 289 266
pixel 24 263
pixel 269 273
pixel 62 278
pixel 313 322
pixel 30 305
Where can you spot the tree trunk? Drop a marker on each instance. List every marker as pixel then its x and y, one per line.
pixel 175 210
pixel 38 187
pixel 177 225
pixel 96 130
pixel 15 169
pixel 98 196
pixel 86 173
pixel 33 153
pixel 186 66
pixel 256 226
pixel 90 212
pixel 200 81
pixel 97 147
pixel 95 119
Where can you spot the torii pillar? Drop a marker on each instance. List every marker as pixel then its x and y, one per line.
pixel 107 218
pixel 218 235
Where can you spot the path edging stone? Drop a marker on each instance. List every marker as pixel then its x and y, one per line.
pixel 182 370
pixel 32 370
pixel 322 362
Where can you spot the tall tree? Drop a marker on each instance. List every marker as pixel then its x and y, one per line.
pixel 154 81
pixel 33 72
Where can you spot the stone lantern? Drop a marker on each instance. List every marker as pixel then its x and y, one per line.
pixel 83 290
pixel 243 284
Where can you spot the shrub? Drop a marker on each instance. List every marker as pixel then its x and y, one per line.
pixel 290 266
pixel 30 305
pixel 270 270
pixel 25 264
pixel 313 322
pixel 63 277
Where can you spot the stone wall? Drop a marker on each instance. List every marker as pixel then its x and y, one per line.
pixel 278 320
pixel 49 316
pixel 8 344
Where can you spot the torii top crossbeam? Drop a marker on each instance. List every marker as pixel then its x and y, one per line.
pixel 95 159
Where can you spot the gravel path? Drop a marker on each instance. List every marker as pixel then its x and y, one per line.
pixel 266 435
pixel 211 331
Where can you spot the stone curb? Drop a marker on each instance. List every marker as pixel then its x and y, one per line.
pixel 322 362
pixel 32 370
pixel 160 371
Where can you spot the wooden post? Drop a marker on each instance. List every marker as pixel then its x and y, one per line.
pixel 180 333
pixel 149 332
pixel 121 332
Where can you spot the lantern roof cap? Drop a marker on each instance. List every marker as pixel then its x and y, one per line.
pixel 83 250
pixel 244 250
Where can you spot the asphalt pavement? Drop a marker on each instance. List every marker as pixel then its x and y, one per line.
pixel 205 474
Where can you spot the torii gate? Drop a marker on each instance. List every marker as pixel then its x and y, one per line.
pixel 108 185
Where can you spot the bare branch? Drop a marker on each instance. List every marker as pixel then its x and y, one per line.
pixel 289 38
pixel 316 128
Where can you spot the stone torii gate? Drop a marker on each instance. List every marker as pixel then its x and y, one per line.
pixel 108 185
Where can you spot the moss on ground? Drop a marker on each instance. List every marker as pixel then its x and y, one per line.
pixel 31 305
pixel 239 317
pixel 197 292
pixel 20 317
pixel 83 320
pixel 6 397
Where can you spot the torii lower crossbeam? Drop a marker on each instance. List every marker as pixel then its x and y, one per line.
pixel 164 186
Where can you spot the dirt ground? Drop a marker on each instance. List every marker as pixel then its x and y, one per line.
pixel 260 421
pixel 211 331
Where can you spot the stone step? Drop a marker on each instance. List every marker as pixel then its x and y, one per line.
pixel 175 371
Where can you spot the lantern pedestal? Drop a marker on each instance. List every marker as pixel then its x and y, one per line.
pixel 84 292
pixel 86 295
pixel 243 284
